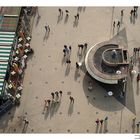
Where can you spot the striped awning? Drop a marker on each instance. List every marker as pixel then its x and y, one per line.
pixel 6 41
pixel 1 84
pixel 7 38
pixel 5 52
pixel 3 69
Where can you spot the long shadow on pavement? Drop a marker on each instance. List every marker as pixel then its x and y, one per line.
pixel 98 96
pixel 70 110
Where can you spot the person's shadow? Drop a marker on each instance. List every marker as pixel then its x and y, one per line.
pixel 38 19
pixel 77 74
pixel 75 23
pixel 131 19
pixel 70 110
pixel 137 129
pixel 101 129
pixel 133 126
pixel 24 128
pixel 105 126
pixel 97 128
pixel 137 88
pixel 66 18
pixel 59 18
pixel 67 70
pixel 46 36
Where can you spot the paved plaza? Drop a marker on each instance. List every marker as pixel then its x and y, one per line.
pixel 47 72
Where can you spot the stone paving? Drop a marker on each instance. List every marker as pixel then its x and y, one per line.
pixel 47 73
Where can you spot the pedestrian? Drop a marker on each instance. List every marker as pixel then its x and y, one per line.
pixel 131 12
pixel 52 95
pixel 70 48
pixel 114 24
pixel 45 103
pixel 64 51
pixel 97 121
pixel 67 11
pixel 26 122
pixel 77 65
pixel 49 102
pixel 137 125
pixel 138 77
pixel 60 93
pixel 122 13
pixel 118 24
pixel 60 11
pixel 67 15
pixel 46 28
pixel 62 14
pixel 68 61
pixel 101 121
pixel 85 46
pixel 71 99
pixel 134 13
pixel 57 94
pixel 106 118
pixel 77 16
pixel 66 48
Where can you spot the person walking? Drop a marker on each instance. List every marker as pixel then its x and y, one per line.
pixel 70 48
pixel 52 95
pixel 77 16
pixel 57 94
pixel 85 46
pixel 45 102
pixel 77 65
pixel 60 11
pixel 60 93
pixel 122 12
pixel 67 13
pixel 97 121
pixel 106 118
pixel 138 77
pixel 66 48
pixel 49 102
pixel 64 51
pixel 48 28
pixel 68 61
pixel 101 121
pixel 114 24
pixel 118 24
pixel 131 12
pixel 71 99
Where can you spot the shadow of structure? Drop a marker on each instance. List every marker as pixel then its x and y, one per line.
pixel 98 96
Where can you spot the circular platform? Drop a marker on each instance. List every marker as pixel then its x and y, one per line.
pixel 101 65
